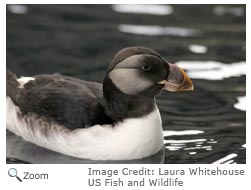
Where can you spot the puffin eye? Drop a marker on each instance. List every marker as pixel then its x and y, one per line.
pixel 146 67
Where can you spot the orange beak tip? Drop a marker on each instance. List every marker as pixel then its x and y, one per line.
pixel 177 80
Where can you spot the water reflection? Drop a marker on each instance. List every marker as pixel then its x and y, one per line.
pixel 197 48
pixel 222 10
pixel 21 151
pixel 185 132
pixel 241 104
pixel 144 9
pixel 213 70
pixel 157 30
pixel 17 9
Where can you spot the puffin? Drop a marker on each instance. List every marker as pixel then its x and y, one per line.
pixel 115 120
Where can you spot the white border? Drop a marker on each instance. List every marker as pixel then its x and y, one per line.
pixel 3 83
pixel 124 2
pixel 73 176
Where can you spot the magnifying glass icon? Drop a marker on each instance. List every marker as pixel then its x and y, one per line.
pixel 13 173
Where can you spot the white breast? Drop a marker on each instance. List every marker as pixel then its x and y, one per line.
pixel 131 139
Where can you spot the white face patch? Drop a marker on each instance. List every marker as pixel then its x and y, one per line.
pixel 129 81
pixel 126 77
pixel 23 80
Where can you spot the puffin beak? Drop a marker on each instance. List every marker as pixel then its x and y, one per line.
pixel 177 80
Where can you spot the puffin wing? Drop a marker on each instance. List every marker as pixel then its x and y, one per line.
pixel 71 102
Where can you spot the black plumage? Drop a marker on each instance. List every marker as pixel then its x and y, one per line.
pixel 69 101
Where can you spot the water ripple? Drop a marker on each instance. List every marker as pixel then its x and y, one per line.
pixel 226 159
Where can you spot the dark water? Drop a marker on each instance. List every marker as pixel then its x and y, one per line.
pixel 202 126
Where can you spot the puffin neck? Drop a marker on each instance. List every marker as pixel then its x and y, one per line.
pixel 120 106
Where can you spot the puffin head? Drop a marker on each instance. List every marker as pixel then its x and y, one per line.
pixel 140 70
